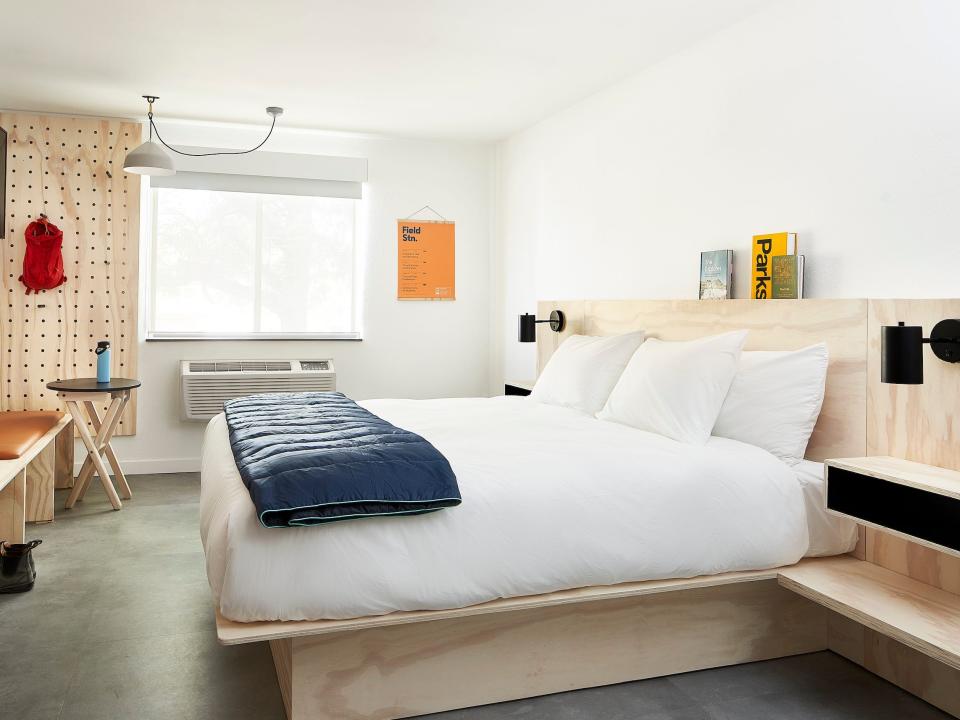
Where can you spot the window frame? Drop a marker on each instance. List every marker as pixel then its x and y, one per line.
pixel 149 297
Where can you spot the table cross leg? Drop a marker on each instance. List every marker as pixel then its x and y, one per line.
pixel 113 415
pixel 95 446
pixel 121 479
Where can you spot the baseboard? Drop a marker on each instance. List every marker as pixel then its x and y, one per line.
pixel 155 466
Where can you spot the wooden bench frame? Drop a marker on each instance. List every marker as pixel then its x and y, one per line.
pixel 27 482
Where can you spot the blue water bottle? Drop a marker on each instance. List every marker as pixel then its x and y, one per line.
pixel 103 361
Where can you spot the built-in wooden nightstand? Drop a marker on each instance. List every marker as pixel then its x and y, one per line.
pixel 918 615
pixel 915 501
pixel 517 388
pixel 918 502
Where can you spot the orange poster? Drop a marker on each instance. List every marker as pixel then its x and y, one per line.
pixel 425 260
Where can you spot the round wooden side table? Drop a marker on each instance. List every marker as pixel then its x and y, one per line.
pixel 84 393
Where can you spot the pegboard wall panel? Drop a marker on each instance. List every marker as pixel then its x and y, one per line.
pixel 71 169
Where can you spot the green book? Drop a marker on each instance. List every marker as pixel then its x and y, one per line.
pixel 786 273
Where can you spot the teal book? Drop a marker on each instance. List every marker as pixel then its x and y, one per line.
pixel 716 275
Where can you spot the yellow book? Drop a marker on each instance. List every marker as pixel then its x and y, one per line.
pixel 763 249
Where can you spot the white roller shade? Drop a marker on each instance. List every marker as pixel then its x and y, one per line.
pixel 271 173
pixel 259 184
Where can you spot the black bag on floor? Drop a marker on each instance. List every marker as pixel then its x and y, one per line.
pixel 17 571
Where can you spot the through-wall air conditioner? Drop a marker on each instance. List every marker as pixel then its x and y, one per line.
pixel 206 384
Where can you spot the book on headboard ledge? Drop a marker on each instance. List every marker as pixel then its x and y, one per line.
pixel 786 272
pixel 763 249
pixel 716 275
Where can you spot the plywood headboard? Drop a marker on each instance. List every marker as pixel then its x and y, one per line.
pixel 775 325
pixel 860 416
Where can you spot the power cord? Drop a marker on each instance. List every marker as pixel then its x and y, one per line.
pixel 272 111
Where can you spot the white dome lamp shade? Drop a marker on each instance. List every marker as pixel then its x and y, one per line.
pixel 149 158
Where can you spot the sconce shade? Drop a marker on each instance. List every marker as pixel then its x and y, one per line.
pixel 528 328
pixel 901 354
pixel 528 325
pixel 148 159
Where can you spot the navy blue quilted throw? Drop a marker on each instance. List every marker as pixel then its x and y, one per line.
pixel 312 458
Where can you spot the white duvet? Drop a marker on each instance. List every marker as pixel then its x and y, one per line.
pixel 552 499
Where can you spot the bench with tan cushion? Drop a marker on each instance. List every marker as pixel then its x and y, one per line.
pixel 36 455
pixel 20 430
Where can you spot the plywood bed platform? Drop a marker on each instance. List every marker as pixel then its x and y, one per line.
pixel 412 663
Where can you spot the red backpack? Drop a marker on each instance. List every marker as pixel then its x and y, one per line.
pixel 43 260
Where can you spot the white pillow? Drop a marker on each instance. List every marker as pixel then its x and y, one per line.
pixel 676 389
pixel 583 370
pixel 775 400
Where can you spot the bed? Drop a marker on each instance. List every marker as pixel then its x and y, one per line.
pixel 584 552
pixel 614 505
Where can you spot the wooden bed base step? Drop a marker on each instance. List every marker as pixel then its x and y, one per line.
pixel 230 632
pixel 918 615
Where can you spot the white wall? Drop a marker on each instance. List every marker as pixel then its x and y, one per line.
pixel 409 349
pixel 837 119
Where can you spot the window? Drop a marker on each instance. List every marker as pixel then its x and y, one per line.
pixel 248 265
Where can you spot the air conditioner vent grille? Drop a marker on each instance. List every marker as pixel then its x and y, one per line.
pixel 199 367
pixel 315 365
pixel 243 366
pixel 207 384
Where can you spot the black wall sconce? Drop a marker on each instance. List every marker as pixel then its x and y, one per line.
pixel 528 325
pixel 901 350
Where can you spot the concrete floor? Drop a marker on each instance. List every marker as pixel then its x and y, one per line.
pixel 120 625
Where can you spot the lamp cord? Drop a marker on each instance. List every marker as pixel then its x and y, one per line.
pixel 153 129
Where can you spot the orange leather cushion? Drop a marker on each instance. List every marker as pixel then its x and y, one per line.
pixel 20 430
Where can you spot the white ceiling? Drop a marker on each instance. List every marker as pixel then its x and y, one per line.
pixel 470 69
